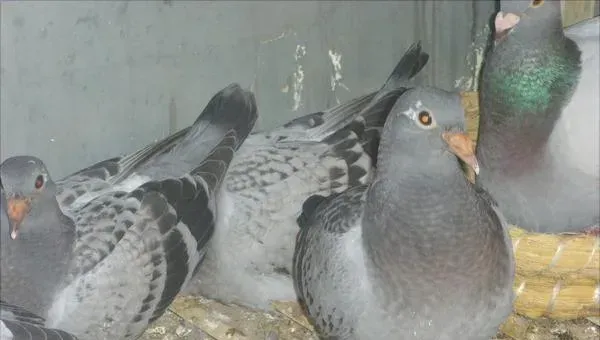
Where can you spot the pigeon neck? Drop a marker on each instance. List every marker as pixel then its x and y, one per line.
pixel 512 149
pixel 411 228
pixel 48 220
pixel 522 95
pixel 412 206
pixel 46 210
pixel 42 247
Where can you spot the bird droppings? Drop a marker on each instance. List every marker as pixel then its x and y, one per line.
pixel 279 37
pixel 182 331
pixel 286 322
pixel 592 331
pixel 336 77
pixel 160 330
pixel 221 317
pixel 298 77
pixel 560 331
pixel 198 315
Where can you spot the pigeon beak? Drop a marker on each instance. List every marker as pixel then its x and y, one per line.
pixel 463 147
pixel 503 23
pixel 16 210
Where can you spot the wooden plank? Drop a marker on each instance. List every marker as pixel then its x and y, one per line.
pixel 575 11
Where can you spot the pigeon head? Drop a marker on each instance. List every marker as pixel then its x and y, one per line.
pixel 426 126
pixel 25 182
pixel 529 18
pixel 527 78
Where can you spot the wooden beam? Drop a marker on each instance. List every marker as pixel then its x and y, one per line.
pixel 575 11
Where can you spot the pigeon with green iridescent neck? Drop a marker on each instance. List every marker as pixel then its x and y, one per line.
pixel 538 134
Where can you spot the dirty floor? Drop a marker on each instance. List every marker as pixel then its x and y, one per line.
pixel 192 318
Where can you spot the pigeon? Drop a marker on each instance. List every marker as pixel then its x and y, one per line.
pixel 249 258
pixel 107 268
pixel 539 138
pixel 418 253
pixel 17 323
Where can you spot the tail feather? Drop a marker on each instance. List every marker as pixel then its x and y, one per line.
pixel 308 207
pixel 358 142
pixel 116 169
pixel 373 108
pixel 317 126
pixel 373 120
pixel 131 162
pixel 375 112
pixel 411 63
pixel 20 324
pixel 184 208
pixel 238 116
pixel 220 117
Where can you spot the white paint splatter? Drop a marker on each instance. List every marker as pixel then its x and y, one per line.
pixel 279 37
pixel 336 77
pixel 298 76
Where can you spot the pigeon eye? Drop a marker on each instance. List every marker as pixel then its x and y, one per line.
pixel 425 118
pixel 39 181
pixel 537 3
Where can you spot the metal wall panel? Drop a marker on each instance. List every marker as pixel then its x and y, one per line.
pixel 82 81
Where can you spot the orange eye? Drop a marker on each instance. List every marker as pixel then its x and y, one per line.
pixel 39 181
pixel 537 3
pixel 425 118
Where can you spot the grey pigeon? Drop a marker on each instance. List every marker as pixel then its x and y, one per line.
pixel 419 253
pixel 106 268
pixel 17 323
pixel 538 133
pixel 249 260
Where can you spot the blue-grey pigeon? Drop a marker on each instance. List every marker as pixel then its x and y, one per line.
pixel 420 252
pixel 102 253
pixel 249 259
